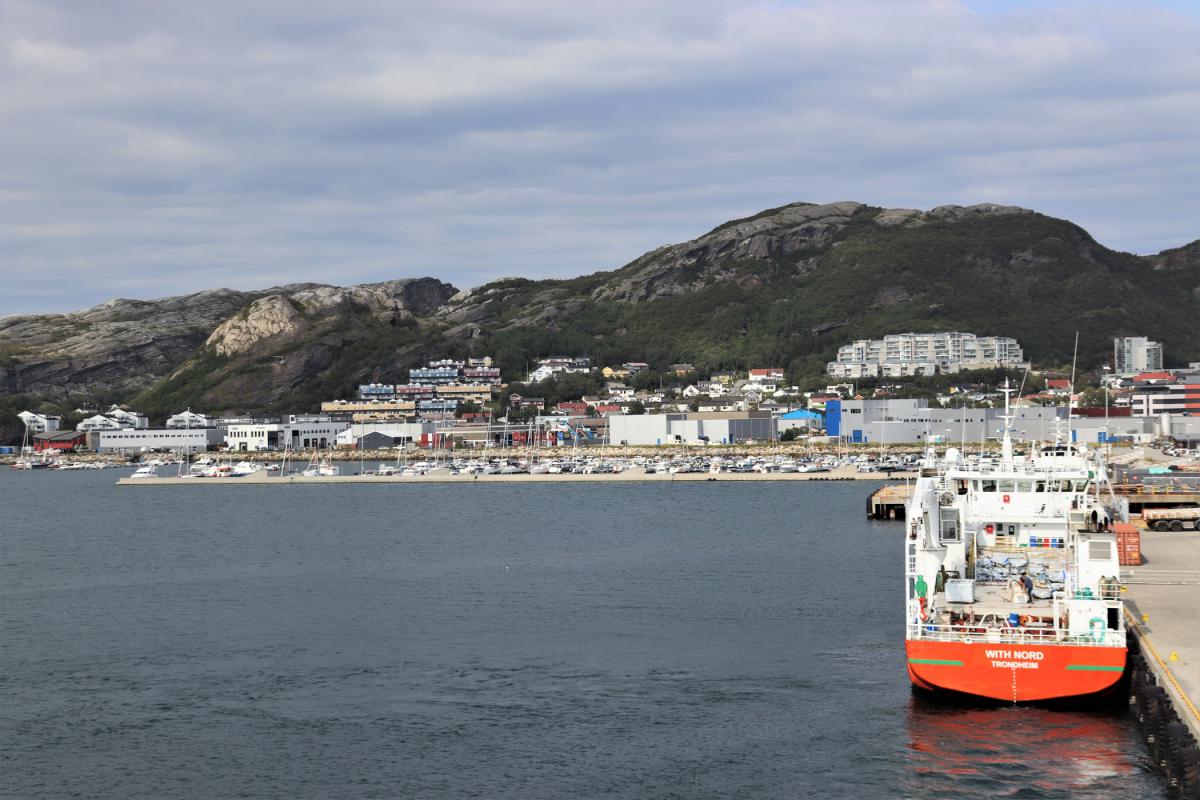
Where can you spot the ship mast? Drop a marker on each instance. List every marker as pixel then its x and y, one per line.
pixel 1006 447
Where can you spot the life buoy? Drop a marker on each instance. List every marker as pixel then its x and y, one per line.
pixel 1024 621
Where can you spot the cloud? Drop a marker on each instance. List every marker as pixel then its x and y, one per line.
pixel 150 148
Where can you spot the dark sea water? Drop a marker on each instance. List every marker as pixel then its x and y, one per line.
pixel 696 640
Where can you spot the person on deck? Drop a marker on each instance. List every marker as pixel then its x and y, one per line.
pixel 1027 585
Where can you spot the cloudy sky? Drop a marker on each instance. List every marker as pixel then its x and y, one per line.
pixel 150 148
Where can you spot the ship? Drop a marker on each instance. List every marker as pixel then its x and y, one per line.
pixel 1012 578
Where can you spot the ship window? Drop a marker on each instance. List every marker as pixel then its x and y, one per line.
pixel 1025 486
pixel 1066 486
pixel 949 529
pixel 1052 486
pixel 989 486
pixel 1039 486
pixel 1099 551
pixel 1006 487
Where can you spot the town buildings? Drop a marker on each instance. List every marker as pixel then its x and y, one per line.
pixel 367 410
pixel 294 432
pixel 907 354
pixel 60 440
pixel 384 435
pixel 1134 354
pixel 1166 392
pixel 555 365
pixel 116 418
pixel 903 421
pixel 438 389
pixel 693 428
pixel 132 440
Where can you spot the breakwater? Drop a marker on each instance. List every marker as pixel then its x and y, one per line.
pixel 263 478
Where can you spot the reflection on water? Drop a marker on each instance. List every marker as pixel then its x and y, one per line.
pixel 1011 751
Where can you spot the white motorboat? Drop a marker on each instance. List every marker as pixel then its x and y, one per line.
pixel 147 471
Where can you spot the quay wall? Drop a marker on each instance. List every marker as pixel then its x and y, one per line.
pixel 1166 717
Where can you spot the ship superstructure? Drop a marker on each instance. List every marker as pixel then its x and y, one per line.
pixel 1012 576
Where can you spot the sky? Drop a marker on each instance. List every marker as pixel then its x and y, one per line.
pixel 153 148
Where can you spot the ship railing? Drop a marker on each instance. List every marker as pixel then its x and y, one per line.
pixel 1006 635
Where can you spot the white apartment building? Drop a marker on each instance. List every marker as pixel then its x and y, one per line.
pixel 188 419
pixel 904 354
pixel 100 422
pixel 115 418
pixel 1134 354
pixel 40 423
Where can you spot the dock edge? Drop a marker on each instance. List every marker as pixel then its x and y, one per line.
pixel 1166 717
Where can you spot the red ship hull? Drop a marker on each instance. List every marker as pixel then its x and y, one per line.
pixel 1017 673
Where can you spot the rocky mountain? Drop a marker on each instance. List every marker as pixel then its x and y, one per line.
pixel 784 287
pixel 117 348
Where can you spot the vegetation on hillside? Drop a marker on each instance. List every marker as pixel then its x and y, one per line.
pixel 718 303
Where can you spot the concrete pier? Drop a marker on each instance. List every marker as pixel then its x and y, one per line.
pixel 888 502
pixel 1163 604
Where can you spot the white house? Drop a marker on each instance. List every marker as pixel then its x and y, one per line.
pixel 116 418
pixel 188 419
pixel 40 423
pixel 100 422
pixel 762 385
pixel 548 367
pixel 128 419
pixel 619 391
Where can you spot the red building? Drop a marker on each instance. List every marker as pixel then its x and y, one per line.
pixel 59 440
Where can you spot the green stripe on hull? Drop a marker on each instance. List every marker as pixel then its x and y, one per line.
pixel 1094 668
pixel 941 662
